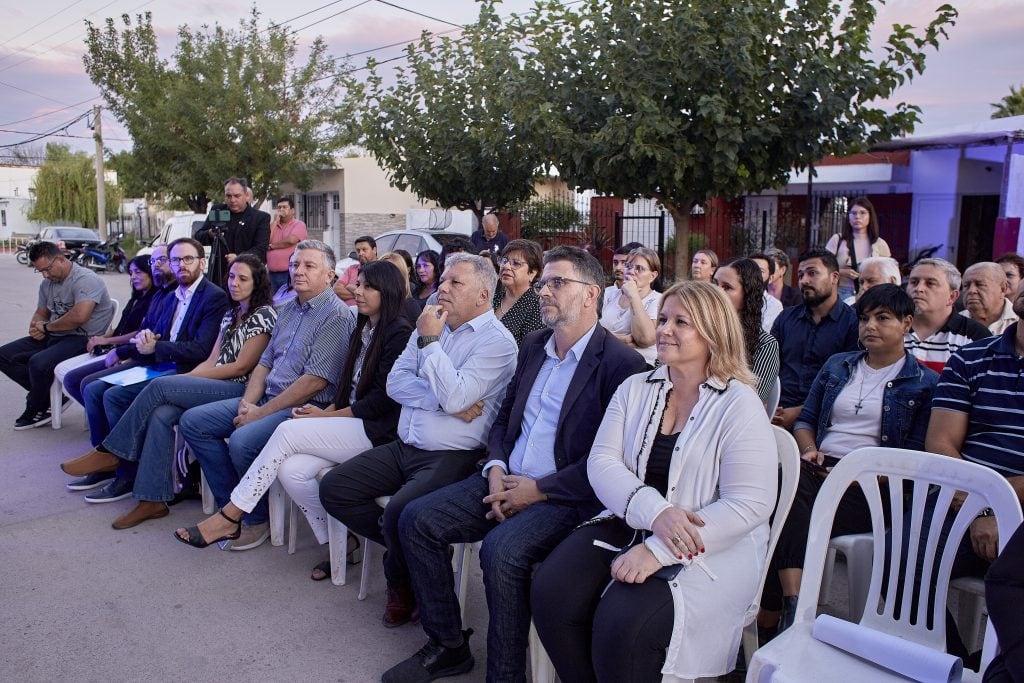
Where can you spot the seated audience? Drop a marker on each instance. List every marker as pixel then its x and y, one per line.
pixel 185 328
pixel 703 265
pixel 875 270
pixel 1013 268
pixel 72 306
pixel 937 333
pixel 629 313
pixel 777 285
pixel 449 381
pixel 140 274
pixel 428 270
pixel 770 306
pixel 534 490
pixel 516 304
pixel 361 417
pixel 145 433
pixel 301 365
pixel 740 279
pixel 810 334
pixel 985 292
pixel 877 397
pixel 685 462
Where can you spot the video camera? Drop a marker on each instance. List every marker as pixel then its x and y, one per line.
pixel 218 219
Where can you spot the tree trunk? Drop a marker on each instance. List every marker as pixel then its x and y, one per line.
pixel 197 202
pixel 681 217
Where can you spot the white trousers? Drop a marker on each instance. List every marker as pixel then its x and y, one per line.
pixel 295 454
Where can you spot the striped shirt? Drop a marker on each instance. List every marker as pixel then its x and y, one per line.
pixel 936 349
pixel 765 365
pixel 985 380
pixel 309 339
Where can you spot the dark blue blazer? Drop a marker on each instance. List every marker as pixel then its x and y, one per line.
pixel 605 364
pixel 198 331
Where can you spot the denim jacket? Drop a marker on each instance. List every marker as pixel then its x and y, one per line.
pixel 906 401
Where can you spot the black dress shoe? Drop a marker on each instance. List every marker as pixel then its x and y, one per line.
pixel 433 661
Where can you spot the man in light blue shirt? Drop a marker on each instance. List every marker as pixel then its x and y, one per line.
pixel 534 489
pixel 450 381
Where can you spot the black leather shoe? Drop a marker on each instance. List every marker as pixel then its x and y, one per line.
pixel 433 661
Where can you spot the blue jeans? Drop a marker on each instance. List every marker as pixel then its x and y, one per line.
pixel 105 403
pixel 455 514
pixel 206 427
pixel 76 378
pixel 30 363
pixel 145 433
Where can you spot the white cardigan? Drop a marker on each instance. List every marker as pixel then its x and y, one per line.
pixel 724 467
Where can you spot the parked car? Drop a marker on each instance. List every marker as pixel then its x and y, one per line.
pixel 415 241
pixel 175 227
pixel 73 238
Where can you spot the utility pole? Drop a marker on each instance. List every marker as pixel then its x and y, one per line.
pixel 101 199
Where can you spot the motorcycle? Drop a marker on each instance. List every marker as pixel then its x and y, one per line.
pixel 22 255
pixel 104 256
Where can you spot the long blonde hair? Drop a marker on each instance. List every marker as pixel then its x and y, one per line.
pixel 399 262
pixel 716 321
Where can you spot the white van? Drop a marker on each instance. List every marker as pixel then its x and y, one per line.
pixel 178 226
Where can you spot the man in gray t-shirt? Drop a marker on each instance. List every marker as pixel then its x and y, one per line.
pixel 73 305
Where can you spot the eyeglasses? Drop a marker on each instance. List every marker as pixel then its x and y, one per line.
pixel 187 260
pixel 157 261
pixel 636 268
pixel 514 262
pixel 556 283
pixel 46 270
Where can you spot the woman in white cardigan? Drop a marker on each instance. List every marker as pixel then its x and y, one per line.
pixel 685 463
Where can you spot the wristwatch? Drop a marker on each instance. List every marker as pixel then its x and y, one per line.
pixel 46 328
pixel 422 342
pixel 987 512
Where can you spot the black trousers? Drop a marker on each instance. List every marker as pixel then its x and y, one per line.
pixel 30 363
pixel 595 629
pixel 398 470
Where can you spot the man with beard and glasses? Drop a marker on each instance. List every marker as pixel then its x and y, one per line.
pixel 534 487
pixel 187 324
pixel 808 335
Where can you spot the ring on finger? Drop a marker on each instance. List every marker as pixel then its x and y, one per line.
pixel 677 539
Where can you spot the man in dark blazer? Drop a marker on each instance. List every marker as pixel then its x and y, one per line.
pixel 533 489
pixel 246 230
pixel 187 326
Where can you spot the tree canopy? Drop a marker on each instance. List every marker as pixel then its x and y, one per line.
pixel 1010 105
pixel 233 102
pixel 683 101
pixel 443 129
pixel 65 189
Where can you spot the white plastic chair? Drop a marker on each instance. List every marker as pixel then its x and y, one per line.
pixel 773 398
pixel 62 369
pixel 796 655
pixel 789 465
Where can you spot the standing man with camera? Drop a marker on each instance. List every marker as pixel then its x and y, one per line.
pixel 232 228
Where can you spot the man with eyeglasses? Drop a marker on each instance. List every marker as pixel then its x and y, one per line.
pixel 73 305
pixel 184 328
pixel 246 231
pixel 533 489
pixel 449 380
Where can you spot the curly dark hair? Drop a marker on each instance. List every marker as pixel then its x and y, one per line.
pixel 753 299
pixel 261 294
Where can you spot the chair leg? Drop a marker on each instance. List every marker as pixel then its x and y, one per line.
pixel 337 544
pixel 209 504
pixel 277 504
pixel 541 668
pixel 56 398
pixel 463 555
pixel 826 577
pixel 364 578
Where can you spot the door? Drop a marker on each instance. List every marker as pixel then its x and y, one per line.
pixel 978 215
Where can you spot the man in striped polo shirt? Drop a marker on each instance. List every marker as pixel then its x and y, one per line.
pixel 976 416
pixel 934 285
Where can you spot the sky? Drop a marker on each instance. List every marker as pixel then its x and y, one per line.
pixel 43 83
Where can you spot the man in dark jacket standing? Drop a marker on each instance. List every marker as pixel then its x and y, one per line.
pixel 534 488
pixel 246 229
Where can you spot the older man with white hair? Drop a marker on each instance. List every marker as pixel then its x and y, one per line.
pixel 985 297
pixel 875 270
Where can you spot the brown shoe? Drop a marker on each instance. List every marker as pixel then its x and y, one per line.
pixel 401 606
pixel 93 461
pixel 146 509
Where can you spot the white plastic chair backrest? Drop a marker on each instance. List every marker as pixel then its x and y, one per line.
pixel 117 309
pixel 773 398
pixel 923 473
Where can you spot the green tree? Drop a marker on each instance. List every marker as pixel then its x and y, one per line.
pixel 129 174
pixel 443 128
pixel 65 189
pixel 234 102
pixel 1010 105
pixel 683 101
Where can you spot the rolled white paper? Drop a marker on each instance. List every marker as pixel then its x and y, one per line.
pixel 905 657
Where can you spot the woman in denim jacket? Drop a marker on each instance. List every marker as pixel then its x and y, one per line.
pixel 877 397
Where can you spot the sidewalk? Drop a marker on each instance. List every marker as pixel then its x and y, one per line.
pixel 83 602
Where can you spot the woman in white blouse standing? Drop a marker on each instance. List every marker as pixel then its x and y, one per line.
pixel 861 230
pixel 685 462
pixel 629 312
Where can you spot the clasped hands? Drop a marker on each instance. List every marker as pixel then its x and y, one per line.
pixel 247 413
pixel 509 494
pixel 678 529
pixel 145 342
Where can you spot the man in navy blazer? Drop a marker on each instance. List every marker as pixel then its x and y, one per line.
pixel 184 329
pixel 533 489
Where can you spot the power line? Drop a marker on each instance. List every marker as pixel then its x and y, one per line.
pixel 421 14
pixel 331 16
pixel 51 113
pixel 53 131
pixel 42 21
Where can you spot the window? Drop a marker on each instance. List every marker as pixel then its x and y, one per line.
pixel 3 217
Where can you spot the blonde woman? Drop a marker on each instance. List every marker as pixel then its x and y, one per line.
pixel 685 462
